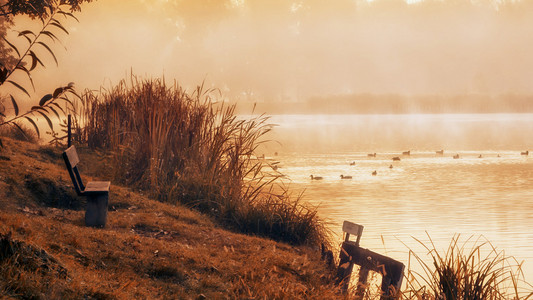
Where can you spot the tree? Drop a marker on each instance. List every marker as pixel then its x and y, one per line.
pixel 33 8
pixel 36 8
pixel 13 60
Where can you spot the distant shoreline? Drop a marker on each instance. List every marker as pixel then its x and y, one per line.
pixel 395 104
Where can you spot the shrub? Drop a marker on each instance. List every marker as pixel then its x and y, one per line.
pixel 183 147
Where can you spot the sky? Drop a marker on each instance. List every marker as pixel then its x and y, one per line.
pixel 263 50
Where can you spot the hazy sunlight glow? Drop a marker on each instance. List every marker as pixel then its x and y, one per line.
pixel 298 49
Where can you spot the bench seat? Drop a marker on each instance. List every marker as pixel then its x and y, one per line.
pixel 96 187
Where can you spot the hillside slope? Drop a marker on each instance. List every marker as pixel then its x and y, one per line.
pixel 148 250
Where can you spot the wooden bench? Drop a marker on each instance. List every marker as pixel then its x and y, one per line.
pixel 97 192
pixel 390 269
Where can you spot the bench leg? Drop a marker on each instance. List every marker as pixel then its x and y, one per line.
pixel 344 271
pixel 96 213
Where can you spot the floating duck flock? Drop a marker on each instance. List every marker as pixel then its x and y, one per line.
pixel 397 158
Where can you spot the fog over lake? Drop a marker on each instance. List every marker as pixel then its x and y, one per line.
pixel 486 193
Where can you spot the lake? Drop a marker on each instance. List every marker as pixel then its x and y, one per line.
pixel 487 192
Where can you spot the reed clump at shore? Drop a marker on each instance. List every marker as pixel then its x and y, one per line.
pixel 470 268
pixel 185 148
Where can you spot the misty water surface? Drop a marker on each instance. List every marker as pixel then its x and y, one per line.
pixel 489 196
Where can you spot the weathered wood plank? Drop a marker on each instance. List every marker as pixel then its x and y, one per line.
pixel 72 156
pixel 97 187
pixel 390 269
pixel 352 228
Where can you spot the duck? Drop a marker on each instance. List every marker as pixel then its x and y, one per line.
pixel 316 177
pixel 524 153
pixel 480 156
pixel 372 155
pixel 390 167
pixel 439 152
pixel 406 152
pixel 456 156
pixel 346 177
pixel 374 173
pixel 352 163
pixel 396 158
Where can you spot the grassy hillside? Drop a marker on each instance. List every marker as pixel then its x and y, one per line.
pixel 148 249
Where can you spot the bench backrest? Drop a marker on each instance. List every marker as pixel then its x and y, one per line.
pixel 352 228
pixel 71 160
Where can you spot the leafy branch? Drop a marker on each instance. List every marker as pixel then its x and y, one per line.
pixel 48 104
pixel 27 61
pixel 36 8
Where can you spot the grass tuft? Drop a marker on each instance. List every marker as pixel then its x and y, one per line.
pixel 184 147
pixel 473 269
pixel 20 132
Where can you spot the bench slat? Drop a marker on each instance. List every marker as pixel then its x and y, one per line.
pixel 72 156
pixel 97 187
pixel 352 228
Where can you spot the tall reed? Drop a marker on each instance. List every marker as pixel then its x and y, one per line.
pixel 184 147
pixel 467 270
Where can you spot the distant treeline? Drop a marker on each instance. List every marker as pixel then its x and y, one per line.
pixel 397 104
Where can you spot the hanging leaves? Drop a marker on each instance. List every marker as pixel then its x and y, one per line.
pixel 47 119
pixel 19 128
pixel 19 87
pixel 29 61
pixel 67 14
pixel 35 60
pixel 25 70
pixel 12 46
pixel 57 92
pixel 57 24
pixel 15 106
pixel 54 111
pixel 34 125
pixel 45 99
pixel 49 50
pixel 49 34
pixel 28 34
pixel 3 75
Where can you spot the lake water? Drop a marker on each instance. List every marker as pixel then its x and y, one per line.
pixel 424 193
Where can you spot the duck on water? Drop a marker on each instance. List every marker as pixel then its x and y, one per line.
pixel 316 177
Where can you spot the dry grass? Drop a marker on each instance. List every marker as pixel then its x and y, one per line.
pixel 19 132
pixel 471 269
pixel 155 250
pixel 148 250
pixel 183 148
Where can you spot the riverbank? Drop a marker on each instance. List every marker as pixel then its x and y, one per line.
pixel 148 249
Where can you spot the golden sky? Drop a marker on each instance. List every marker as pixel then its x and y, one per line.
pixel 279 49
